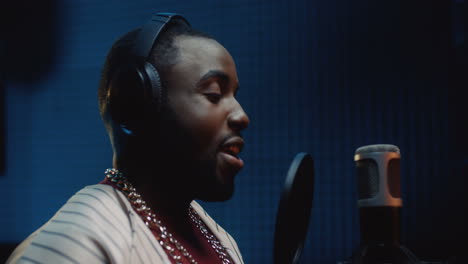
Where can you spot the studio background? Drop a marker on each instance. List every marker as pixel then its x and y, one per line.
pixel 323 77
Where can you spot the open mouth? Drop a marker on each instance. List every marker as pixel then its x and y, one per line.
pixel 232 150
pixel 229 153
pixel 233 146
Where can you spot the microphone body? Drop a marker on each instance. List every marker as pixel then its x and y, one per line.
pixel 380 203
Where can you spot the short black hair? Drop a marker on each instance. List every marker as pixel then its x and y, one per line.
pixel 163 55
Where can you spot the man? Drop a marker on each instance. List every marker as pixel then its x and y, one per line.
pixel 167 153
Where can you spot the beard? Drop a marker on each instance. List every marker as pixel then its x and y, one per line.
pixel 184 166
pixel 203 182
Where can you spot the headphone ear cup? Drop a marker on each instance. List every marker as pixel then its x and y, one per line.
pixel 126 99
pixel 154 86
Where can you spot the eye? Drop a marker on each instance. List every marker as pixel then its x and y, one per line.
pixel 213 91
pixel 213 97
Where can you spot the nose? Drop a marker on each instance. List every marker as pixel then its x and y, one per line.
pixel 238 119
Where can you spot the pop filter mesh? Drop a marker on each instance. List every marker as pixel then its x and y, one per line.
pixel 294 210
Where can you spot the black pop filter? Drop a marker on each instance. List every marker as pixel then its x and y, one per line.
pixel 292 219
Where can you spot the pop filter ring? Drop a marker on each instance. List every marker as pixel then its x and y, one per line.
pixel 294 210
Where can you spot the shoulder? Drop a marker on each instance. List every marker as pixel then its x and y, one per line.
pixel 93 226
pixel 223 236
pixel 96 208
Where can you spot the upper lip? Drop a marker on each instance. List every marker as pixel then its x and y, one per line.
pixel 233 145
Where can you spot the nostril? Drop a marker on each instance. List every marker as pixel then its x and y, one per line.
pixel 238 121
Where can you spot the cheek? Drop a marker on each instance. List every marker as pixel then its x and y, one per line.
pixel 202 121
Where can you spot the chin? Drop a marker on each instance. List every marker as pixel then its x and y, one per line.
pixel 217 194
pixel 212 184
pixel 217 197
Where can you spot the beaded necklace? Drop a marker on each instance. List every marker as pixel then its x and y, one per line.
pixel 173 248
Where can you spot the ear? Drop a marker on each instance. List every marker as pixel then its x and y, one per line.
pixel 126 100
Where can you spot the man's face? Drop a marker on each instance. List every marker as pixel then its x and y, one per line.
pixel 201 96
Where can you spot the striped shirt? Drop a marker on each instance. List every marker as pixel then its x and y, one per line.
pixel 98 225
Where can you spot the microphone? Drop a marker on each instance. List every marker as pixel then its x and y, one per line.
pixel 380 203
pixel 379 195
pixel 378 176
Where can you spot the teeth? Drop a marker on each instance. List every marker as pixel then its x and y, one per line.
pixel 232 149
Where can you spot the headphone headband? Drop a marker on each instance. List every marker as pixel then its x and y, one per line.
pixel 150 32
pixel 138 83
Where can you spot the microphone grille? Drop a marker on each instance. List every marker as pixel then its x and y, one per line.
pixel 377 148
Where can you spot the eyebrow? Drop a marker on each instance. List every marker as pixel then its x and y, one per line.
pixel 216 74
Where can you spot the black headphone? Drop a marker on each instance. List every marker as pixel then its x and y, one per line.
pixel 136 83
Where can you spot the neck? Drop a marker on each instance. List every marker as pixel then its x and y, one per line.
pixel 156 184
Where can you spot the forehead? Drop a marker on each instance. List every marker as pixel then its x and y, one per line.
pixel 200 55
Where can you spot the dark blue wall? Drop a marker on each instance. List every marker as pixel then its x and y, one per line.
pixel 323 77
